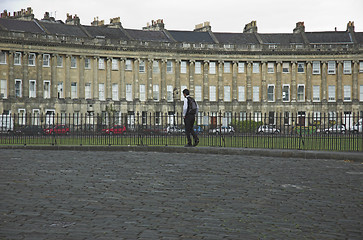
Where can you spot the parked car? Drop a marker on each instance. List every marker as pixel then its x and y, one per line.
pixel 116 129
pixel 337 128
pixel 223 130
pixel 198 129
pixel 30 130
pixel 358 127
pixel 57 129
pixel 174 130
pixel 268 129
pixel 152 130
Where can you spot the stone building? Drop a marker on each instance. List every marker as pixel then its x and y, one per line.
pixel 49 66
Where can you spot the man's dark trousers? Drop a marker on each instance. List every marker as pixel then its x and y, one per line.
pixel 189 122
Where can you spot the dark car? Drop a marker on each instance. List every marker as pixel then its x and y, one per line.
pixel 117 129
pixel 152 130
pixel 30 130
pixel 57 129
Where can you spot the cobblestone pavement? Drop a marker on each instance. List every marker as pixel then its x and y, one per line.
pixel 150 195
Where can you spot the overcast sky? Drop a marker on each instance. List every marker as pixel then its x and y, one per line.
pixel 272 16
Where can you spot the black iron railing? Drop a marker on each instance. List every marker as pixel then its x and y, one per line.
pixel 328 132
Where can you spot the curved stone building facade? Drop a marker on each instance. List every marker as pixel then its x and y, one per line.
pixel 49 66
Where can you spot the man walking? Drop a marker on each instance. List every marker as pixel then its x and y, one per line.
pixel 190 109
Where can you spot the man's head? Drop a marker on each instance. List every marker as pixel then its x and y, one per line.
pixel 186 92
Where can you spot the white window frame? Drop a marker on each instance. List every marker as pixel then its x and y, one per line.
pixel 269 94
pixel 183 67
pixel 59 61
pixel 87 63
pixel 286 93
pixel 316 67
pixel 361 93
pixel 227 94
pixel 101 92
pixel 361 66
pixel 227 67
pixel 46 60
pixel 331 93
pixel 169 93
pixel 46 89
pixel 2 57
pixel 101 63
pixel 241 93
pixel 241 67
pixel 285 67
pixel 156 67
pixel 3 89
pixel 88 91
pixel 20 88
pixel 212 67
pixel 270 67
pixel 255 93
pixel 198 67
pixel 128 65
pixel 32 92
pixel 300 67
pixel 347 67
pixel 255 67
pixel 141 66
pixel 331 67
pixel 142 90
pixel 114 63
pixel 73 62
pixel 115 96
pixel 17 58
pixel 316 93
pixel 212 93
pixel 347 93
pixel 198 93
pixel 22 116
pixel 74 90
pixel 60 90
pixel 156 94
pixel 169 66
pixel 31 59
pixel 302 96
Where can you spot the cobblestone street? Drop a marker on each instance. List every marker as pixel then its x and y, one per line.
pixel 152 195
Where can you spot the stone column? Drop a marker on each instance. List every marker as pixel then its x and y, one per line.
pixel 249 81
pixel 25 75
pixel 11 83
pixel 234 81
pixel 82 85
pixel 177 75
pixel 263 83
pixel 220 81
pixel 324 83
pixel 149 85
pixel 95 78
pixel 205 81
pixel 163 90
pixel 53 78
pixel 39 83
pixel 308 82
pixel 278 94
pixel 136 79
pixel 340 81
pixel 122 87
pixel 355 87
pixel 293 82
pixel 108 79
pixel 191 77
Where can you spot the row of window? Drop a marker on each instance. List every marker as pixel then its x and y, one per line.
pixel 316 91
pixel 227 66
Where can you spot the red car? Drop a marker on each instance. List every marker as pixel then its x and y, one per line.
pixel 57 129
pixel 117 129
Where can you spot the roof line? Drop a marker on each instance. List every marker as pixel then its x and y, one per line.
pixel 40 26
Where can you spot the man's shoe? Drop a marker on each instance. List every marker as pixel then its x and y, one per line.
pixel 188 145
pixel 196 142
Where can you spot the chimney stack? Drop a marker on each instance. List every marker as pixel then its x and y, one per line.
pixel 203 27
pixel 73 20
pixel 157 25
pixel 300 27
pixel 250 27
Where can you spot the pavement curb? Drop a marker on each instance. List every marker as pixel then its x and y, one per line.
pixel 345 156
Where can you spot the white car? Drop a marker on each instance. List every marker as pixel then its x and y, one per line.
pixel 268 129
pixel 174 130
pixel 357 128
pixel 223 130
pixel 337 128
